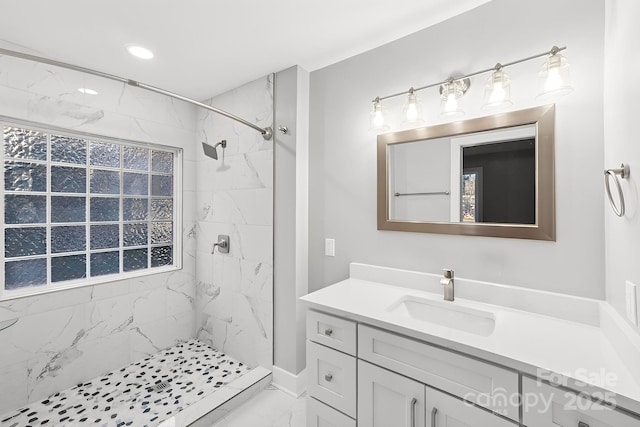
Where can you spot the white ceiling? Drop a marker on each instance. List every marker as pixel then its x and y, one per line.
pixel 205 47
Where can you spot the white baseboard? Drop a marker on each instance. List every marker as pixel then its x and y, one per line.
pixel 291 384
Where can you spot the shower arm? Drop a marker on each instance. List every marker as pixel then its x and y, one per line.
pixel 267 132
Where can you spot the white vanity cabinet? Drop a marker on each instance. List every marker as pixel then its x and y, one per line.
pixel 548 406
pixel 371 377
pixel 381 379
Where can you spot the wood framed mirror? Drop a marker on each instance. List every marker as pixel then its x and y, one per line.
pixel 490 176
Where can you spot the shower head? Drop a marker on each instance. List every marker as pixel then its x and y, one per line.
pixel 210 150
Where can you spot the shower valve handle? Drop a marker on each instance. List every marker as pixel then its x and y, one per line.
pixel 222 244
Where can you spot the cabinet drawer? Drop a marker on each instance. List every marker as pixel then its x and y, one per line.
pixel 321 415
pixel 478 382
pixel 332 377
pixel 332 331
pixel 444 410
pixel 549 406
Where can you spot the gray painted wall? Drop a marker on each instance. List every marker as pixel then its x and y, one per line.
pixel 290 217
pixel 343 151
pixel 284 216
pixel 621 145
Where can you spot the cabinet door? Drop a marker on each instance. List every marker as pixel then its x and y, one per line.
pixel 446 411
pixel 387 399
pixel 546 406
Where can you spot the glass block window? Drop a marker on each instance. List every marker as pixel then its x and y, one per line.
pixel 80 210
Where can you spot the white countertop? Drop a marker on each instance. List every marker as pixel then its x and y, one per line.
pixel 579 355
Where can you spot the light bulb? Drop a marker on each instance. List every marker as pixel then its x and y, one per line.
pixel 412 108
pixel 451 95
pixel 87 91
pixel 498 93
pixel 554 81
pixel 412 112
pixel 378 119
pixel 377 116
pixel 555 78
pixel 451 106
pixel 140 52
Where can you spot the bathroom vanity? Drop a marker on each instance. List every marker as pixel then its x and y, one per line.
pixel 396 354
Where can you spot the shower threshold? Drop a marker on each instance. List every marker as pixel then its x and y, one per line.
pixel 190 384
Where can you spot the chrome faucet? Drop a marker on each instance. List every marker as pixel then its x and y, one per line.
pixel 447 282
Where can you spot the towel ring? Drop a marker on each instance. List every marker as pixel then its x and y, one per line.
pixel 624 172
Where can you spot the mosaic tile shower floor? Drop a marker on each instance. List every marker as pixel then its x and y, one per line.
pixel 142 394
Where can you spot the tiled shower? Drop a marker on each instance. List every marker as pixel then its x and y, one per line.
pixel 65 338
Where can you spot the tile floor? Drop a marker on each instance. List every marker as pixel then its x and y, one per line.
pixel 141 394
pixel 270 408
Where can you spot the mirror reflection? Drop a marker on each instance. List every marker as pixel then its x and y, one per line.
pixel 490 176
pixel 480 177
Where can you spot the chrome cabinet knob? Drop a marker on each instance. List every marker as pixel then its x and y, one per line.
pixel 329 377
pixel 328 332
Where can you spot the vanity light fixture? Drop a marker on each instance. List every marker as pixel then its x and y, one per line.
pixel 497 91
pixel 554 79
pixel 412 108
pixel 377 116
pixel 140 52
pixel 451 93
pixel 87 91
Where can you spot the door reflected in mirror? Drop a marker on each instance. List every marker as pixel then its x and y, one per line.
pixel 491 176
pixel 498 182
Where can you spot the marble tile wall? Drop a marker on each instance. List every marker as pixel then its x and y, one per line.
pixel 235 197
pixel 70 336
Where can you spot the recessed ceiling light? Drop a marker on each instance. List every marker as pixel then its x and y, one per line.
pixel 87 91
pixel 140 52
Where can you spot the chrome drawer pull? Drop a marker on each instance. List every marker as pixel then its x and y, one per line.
pixel 413 411
pixel 329 377
pixel 433 417
pixel 328 332
pixel 581 424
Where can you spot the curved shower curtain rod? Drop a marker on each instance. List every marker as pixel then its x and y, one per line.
pixel 267 132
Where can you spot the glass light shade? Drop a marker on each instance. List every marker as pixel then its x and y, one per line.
pixel 377 117
pixel 412 109
pixel 554 78
pixel 497 91
pixel 451 103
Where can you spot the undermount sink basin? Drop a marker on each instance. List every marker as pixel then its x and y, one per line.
pixel 445 313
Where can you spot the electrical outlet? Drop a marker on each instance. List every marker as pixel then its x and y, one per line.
pixel 631 293
pixel 329 247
